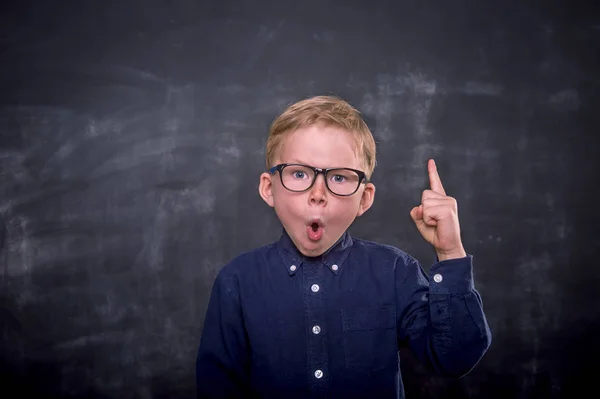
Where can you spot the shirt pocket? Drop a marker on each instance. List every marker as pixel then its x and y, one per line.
pixel 369 337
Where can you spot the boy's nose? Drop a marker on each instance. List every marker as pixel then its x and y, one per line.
pixel 318 192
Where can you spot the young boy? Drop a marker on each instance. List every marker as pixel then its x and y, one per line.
pixel 320 313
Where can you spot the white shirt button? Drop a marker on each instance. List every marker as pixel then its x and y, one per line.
pixel 334 267
pixel 318 373
pixel 293 268
pixel 316 329
pixel 438 278
pixel 314 287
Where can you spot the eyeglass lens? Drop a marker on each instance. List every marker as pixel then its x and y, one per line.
pixel 339 181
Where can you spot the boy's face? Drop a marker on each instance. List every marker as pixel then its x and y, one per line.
pixel 323 147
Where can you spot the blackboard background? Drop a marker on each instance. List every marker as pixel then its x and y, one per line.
pixel 132 137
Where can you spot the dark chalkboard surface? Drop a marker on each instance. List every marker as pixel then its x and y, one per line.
pixel 132 137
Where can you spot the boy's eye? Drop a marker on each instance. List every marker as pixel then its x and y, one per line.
pixel 298 174
pixel 338 178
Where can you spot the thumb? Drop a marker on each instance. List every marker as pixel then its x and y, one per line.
pixel 417 216
pixel 417 213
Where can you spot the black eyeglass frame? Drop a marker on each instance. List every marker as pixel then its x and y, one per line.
pixel 362 177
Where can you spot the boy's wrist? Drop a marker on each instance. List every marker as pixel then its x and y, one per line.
pixel 455 254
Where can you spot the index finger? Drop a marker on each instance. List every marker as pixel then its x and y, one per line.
pixel 434 178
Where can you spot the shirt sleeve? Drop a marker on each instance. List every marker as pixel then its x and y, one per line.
pixel 440 315
pixel 223 356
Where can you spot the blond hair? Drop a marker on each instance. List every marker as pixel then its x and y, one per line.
pixel 329 111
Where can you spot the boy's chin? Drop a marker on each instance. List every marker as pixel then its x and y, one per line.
pixel 307 247
pixel 312 252
pixel 312 248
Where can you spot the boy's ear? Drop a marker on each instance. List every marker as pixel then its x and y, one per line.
pixel 368 196
pixel 265 189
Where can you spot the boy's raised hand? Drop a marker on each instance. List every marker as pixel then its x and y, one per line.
pixel 437 218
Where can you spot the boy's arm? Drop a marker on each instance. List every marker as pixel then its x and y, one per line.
pixel 441 317
pixel 223 357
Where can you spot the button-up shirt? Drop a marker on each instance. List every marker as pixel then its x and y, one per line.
pixel 283 325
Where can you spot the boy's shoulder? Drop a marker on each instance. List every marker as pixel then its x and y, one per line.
pixel 386 251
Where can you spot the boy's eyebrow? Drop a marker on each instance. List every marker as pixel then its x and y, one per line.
pixel 294 160
pixel 303 163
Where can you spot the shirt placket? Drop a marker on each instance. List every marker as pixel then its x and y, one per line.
pixel 316 334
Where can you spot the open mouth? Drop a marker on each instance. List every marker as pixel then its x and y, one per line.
pixel 315 231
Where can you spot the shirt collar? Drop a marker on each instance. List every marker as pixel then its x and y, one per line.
pixel 333 258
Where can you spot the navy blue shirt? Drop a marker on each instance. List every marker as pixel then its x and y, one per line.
pixel 283 325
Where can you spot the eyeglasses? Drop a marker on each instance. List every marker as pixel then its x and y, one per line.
pixel 340 181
